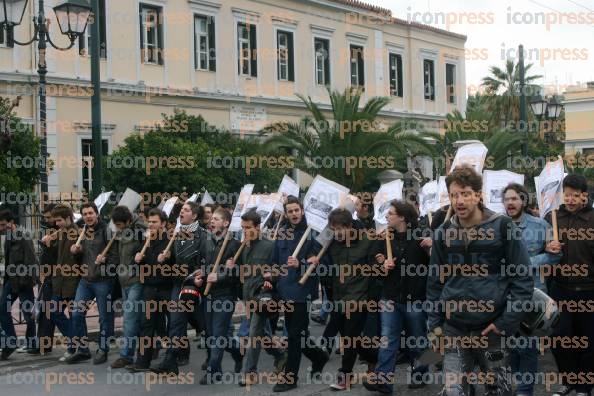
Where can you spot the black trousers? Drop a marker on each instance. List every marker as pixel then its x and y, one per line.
pixel 350 329
pixel 299 341
pixel 574 324
pixel 45 326
pixel 152 326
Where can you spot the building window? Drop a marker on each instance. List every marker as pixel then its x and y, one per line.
pixel 357 66
pixel 451 83
pixel 286 66
pixel 151 34
pixel 6 36
pixel 247 49
pixel 84 41
pixel 204 43
pixel 396 85
pixel 87 161
pixel 429 79
pixel 322 49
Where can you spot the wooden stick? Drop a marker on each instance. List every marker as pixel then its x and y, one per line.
pixel 312 267
pixel 215 268
pixel 388 245
pixel 554 220
pixel 430 217
pixel 106 250
pixel 449 214
pixel 302 242
pixel 146 244
pixel 80 237
pixel 280 220
pixel 168 248
pixel 239 250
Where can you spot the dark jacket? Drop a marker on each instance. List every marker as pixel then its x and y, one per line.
pixel 227 284
pixel 484 287
pixel 192 251
pixel 21 263
pixel 257 255
pixel 154 275
pixel 68 270
pixel 93 244
pixel 408 280
pixel 576 232
pixel 349 282
pixel 130 242
pixel 287 283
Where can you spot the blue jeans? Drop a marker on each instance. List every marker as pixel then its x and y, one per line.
pixel 524 363
pixel 57 307
pixel 219 312
pixel 8 338
pixel 85 293
pixel 325 309
pixel 133 310
pixel 393 321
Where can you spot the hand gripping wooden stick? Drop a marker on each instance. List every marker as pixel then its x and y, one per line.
pixel 106 250
pixel 215 268
pixel 146 244
pixel 81 236
pixel 312 267
pixel 168 248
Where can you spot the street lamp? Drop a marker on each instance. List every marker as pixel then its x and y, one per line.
pixel 72 16
pixel 544 108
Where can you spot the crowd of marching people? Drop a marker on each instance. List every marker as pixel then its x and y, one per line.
pixel 456 296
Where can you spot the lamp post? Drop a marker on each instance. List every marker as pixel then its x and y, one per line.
pixel 72 16
pixel 545 108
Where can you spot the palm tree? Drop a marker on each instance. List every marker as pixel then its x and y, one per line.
pixel 503 90
pixel 350 147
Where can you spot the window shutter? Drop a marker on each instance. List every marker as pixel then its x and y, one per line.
pixel 82 43
pixel 291 57
pixel 212 51
pixel 103 30
pixel 399 75
pixel 326 46
pixel 9 36
pixel 142 27
pixel 361 66
pixel 160 43
pixel 254 51
pixel 238 49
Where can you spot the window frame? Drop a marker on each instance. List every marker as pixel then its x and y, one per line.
pixel 451 94
pixel 198 37
pixel 429 80
pixel 325 61
pixel 357 65
pixel 157 35
pixel 84 40
pixel 398 80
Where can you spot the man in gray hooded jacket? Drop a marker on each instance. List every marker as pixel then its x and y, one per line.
pixel 477 280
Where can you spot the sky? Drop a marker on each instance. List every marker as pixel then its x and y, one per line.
pixel 558 35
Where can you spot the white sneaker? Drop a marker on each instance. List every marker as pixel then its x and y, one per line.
pixel 21 350
pixel 66 356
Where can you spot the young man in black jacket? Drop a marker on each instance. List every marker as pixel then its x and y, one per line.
pixel 156 290
pixel 191 252
pixel 575 284
pixel 403 295
pixel 19 279
pixel 478 276
pixel 220 303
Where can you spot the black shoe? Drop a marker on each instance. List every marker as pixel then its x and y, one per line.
pixel 204 364
pixel 137 368
pixel 6 352
pixel 183 361
pixel 78 357
pixel 563 390
pixel 381 388
pixel 210 379
pixel 238 359
pixel 317 367
pixel 284 387
pixel 167 366
pixel 100 357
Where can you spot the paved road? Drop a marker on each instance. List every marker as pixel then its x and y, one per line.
pixel 29 376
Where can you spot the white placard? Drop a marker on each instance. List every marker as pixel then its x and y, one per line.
pixel 494 182
pixel 473 154
pixel 549 190
pixel 102 199
pixel 444 195
pixel 429 198
pixel 131 199
pixel 381 202
pixel 241 207
pixel 266 205
pixel 169 204
pixel 286 188
pixel 322 197
pixel 206 199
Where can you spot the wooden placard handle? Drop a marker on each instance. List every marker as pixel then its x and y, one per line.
pixel 215 268
pixel 302 242
pixel 146 244
pixel 554 220
pixel 312 267
pixel 280 220
pixel 389 245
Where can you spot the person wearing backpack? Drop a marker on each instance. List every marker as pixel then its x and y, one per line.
pixel 478 273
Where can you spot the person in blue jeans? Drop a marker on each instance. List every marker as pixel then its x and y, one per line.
pixel 97 283
pixel 536 235
pixel 402 295
pixel 129 247
pixel 20 268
